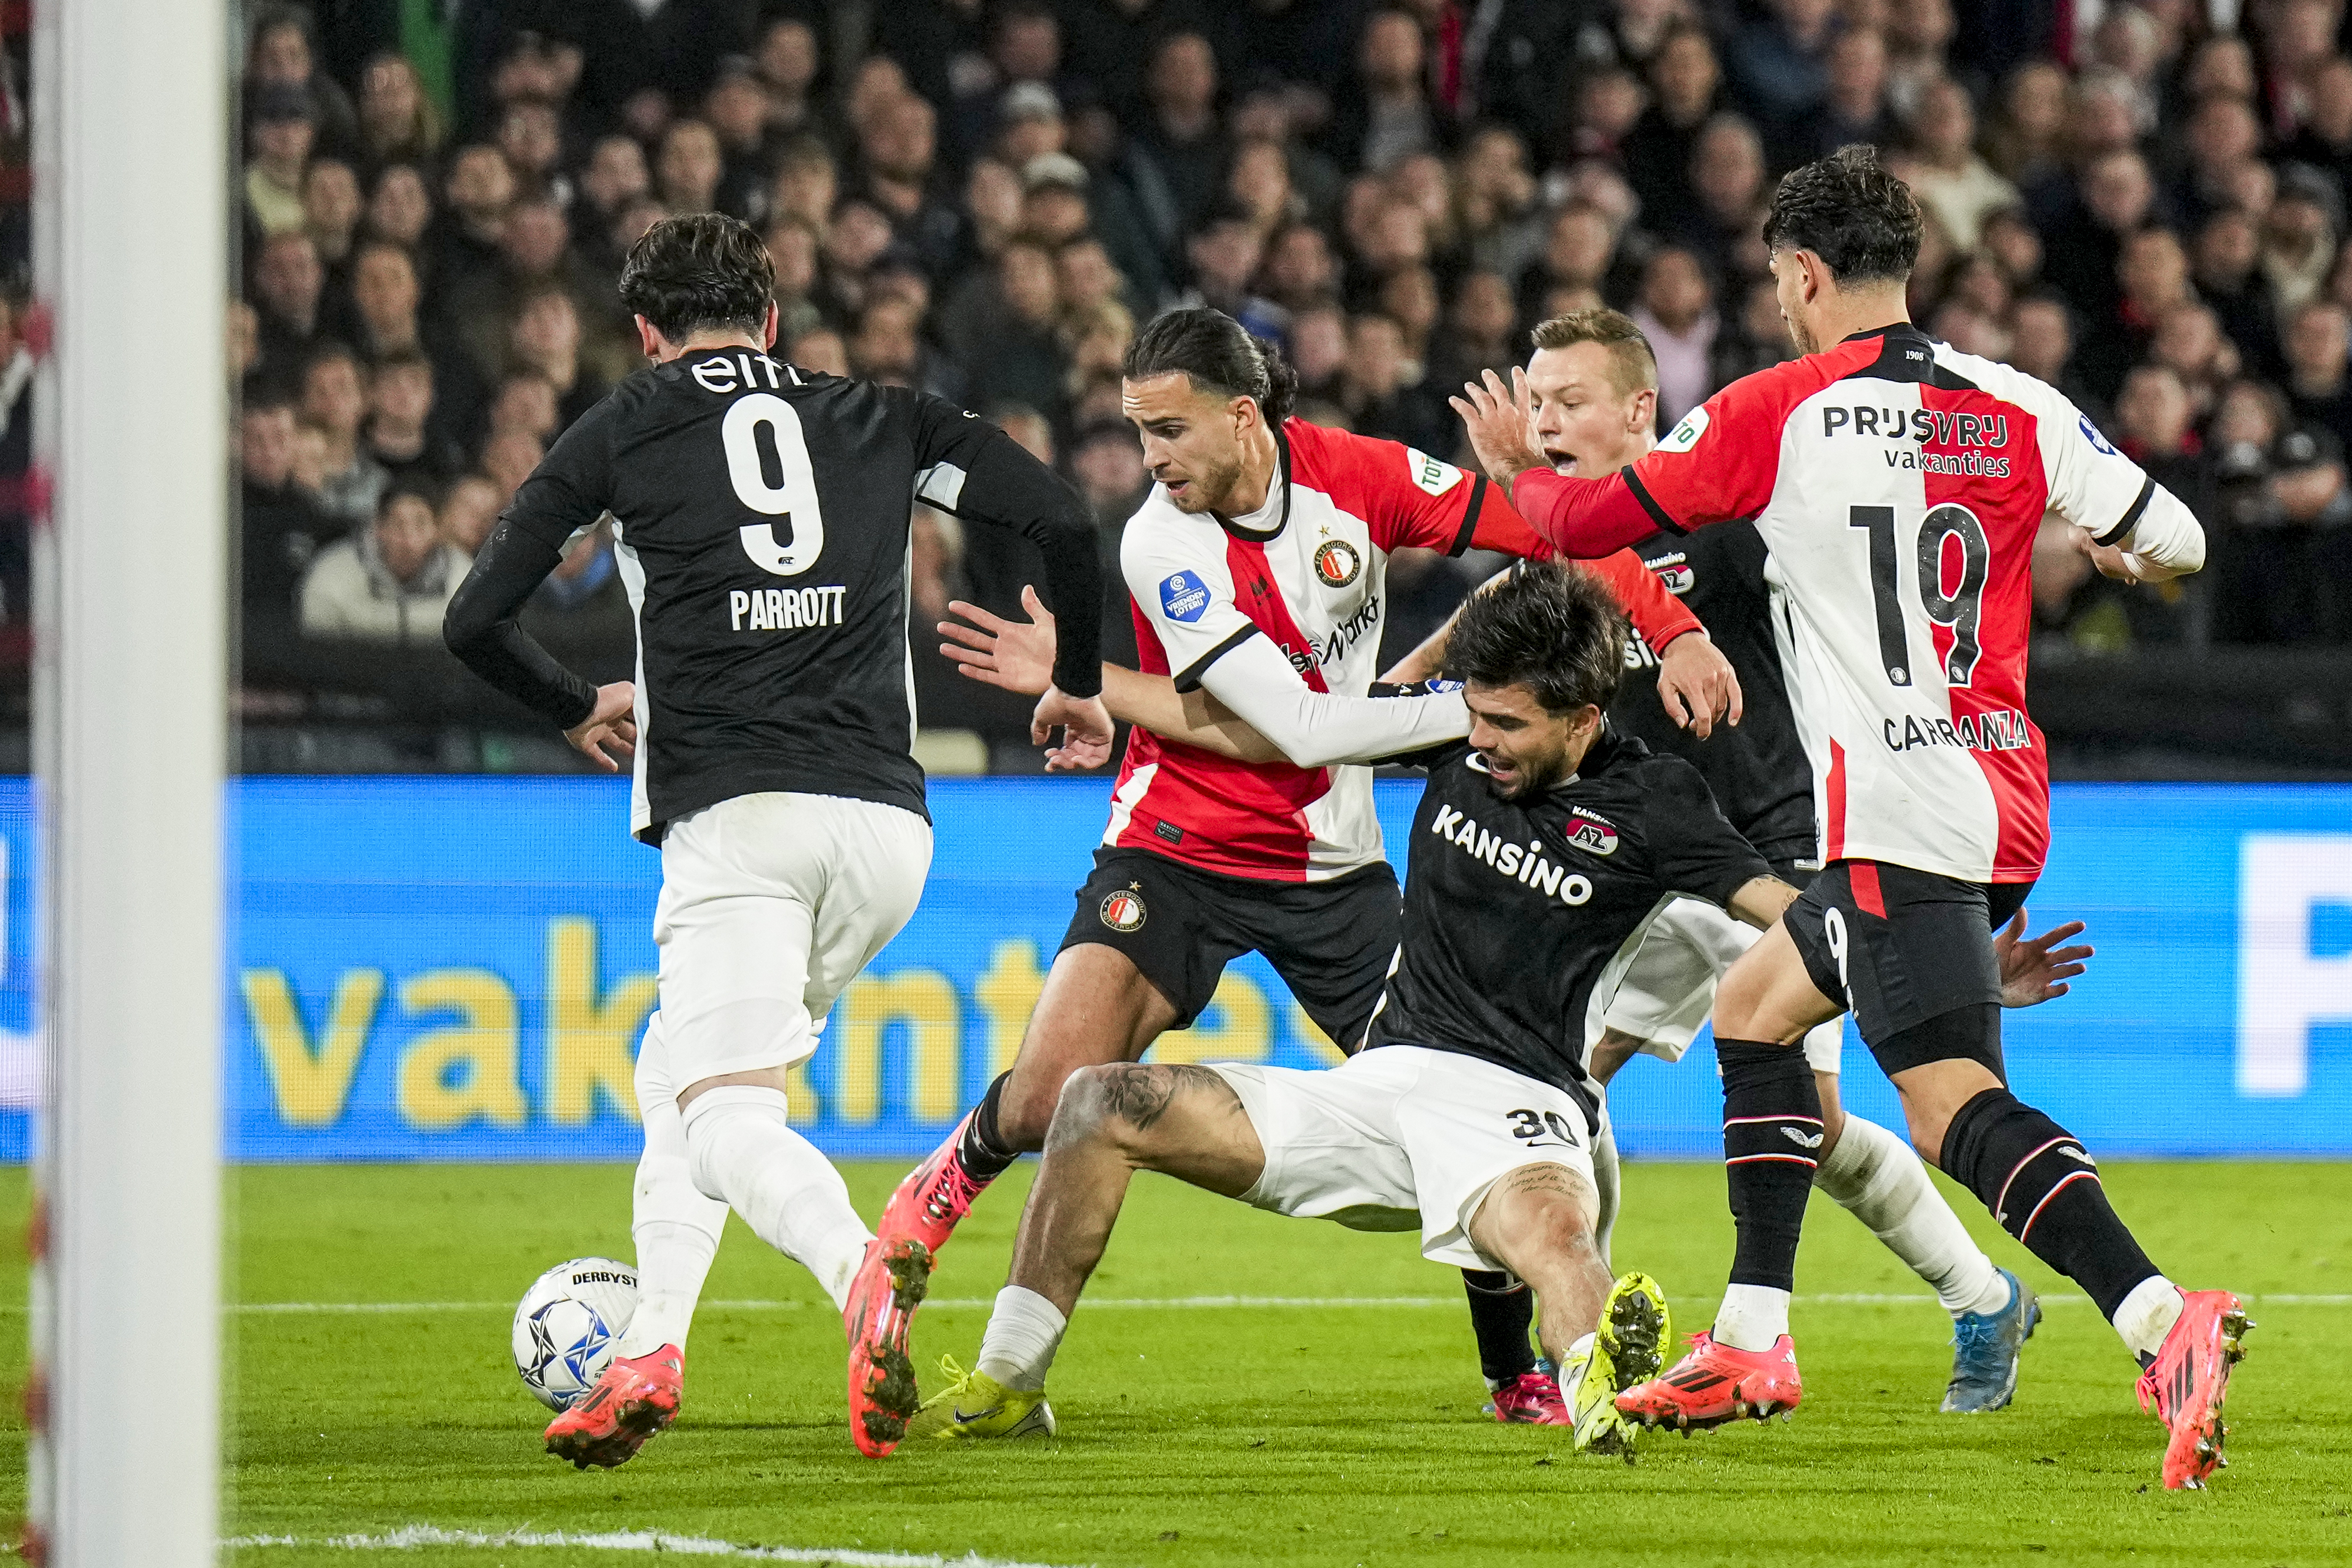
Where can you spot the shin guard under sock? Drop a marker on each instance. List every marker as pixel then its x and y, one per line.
pixel 2043 1189
pixel 981 1149
pixel 1772 1147
pixel 1501 1311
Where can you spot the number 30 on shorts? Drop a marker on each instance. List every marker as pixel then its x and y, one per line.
pixel 1529 1125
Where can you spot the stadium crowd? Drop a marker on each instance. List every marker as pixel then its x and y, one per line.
pixel 2140 203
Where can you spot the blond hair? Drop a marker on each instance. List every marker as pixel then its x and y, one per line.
pixel 1633 366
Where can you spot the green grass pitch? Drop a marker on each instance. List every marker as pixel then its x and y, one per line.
pixel 1252 1433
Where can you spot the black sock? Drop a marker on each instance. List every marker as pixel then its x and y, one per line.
pixel 981 1149
pixel 2042 1186
pixel 1501 1310
pixel 1772 1147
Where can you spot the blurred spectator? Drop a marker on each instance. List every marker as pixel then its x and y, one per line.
pixel 1685 83
pixel 507 460
pixel 530 136
pixel 334 402
pixel 1386 114
pixel 277 145
pixel 400 207
pixel 545 336
pixel 2227 273
pixel 2282 560
pixel 282 529
pixel 526 401
pixel 392 581
pixel 1728 178
pixel 399 437
pixel 1178 154
pixel 280 58
pixel 288 284
pixel 686 174
pixel 1854 104
pixel 787 62
pixel 1379 395
pixel 386 299
pixel 2299 234
pixel 468 511
pixel 820 348
pixel 1676 313
pixel 1780 62
pixel 477 191
pixel 397 122
pixel 2318 338
pixel 1957 188
pixel 330 212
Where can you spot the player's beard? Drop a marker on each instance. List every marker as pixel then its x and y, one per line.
pixel 1211 487
pixel 1531 776
pixel 1805 341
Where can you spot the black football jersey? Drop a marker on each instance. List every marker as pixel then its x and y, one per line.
pixel 1513 909
pixel 762 521
pixel 1756 770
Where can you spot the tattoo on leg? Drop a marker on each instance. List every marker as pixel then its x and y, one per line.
pixel 1547 1178
pixel 1140 1094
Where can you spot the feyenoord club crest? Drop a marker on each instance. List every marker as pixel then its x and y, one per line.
pixel 1336 563
pixel 1123 910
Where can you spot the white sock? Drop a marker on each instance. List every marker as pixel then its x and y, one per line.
pixel 740 1147
pixel 1874 1176
pixel 1753 1317
pixel 677 1232
pixel 1573 1367
pixel 1025 1330
pixel 1604 1182
pixel 2147 1315
pixel 676 1227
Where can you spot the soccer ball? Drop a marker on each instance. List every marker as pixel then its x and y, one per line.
pixel 569 1324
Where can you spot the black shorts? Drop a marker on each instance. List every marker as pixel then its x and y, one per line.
pixel 1331 941
pixel 1904 949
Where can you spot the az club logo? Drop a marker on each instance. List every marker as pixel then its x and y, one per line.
pixel 1338 564
pixel 1123 910
pixel 1593 836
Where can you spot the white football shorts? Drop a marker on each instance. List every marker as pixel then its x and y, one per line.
pixel 771 903
pixel 1666 990
pixel 1401 1137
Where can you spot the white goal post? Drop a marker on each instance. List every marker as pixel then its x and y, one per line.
pixel 130 116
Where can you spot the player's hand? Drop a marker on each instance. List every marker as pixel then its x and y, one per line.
pixel 1016 655
pixel 1699 684
pixel 611 722
pixel 1501 421
pixel 2036 970
pixel 2114 561
pixel 1085 730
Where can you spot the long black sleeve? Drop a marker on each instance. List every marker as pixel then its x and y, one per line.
pixel 482 630
pixel 567 492
pixel 975 471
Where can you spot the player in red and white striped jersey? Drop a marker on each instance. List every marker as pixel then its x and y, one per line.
pixel 1257 573
pixel 1899 486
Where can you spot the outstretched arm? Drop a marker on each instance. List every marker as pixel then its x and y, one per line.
pixel 1251 705
pixel 1018 656
pixel 1585 518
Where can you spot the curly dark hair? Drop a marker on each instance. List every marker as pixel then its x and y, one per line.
pixel 1860 220
pixel 1218 355
pixel 698 272
pixel 1550 626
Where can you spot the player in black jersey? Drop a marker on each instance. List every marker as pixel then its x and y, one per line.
pixel 1595 380
pixel 1541 845
pixel 761 514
